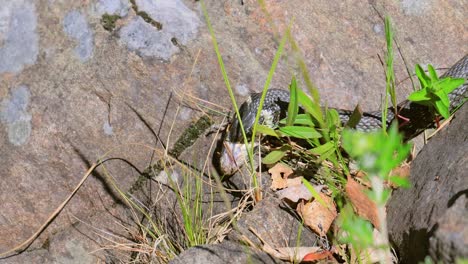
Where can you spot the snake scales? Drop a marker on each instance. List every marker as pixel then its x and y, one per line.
pixel 276 104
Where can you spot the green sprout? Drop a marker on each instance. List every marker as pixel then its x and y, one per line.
pixel 434 91
pixel 377 153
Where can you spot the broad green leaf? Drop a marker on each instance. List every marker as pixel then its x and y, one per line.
pixel 293 107
pixel 266 130
pixel 443 97
pixel 310 107
pixel 322 149
pixel 333 118
pixel 400 181
pixel 301 119
pixel 304 119
pixel 442 109
pixel 328 155
pixel 420 95
pixel 432 73
pixel 423 79
pixel 449 84
pixel 300 132
pixel 276 155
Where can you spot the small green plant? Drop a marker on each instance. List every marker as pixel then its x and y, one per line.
pixel 377 154
pixel 434 91
pixel 190 202
pixel 358 231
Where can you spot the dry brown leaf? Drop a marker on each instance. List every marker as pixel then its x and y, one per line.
pixel 314 256
pixel 360 174
pixel 296 193
pixel 279 175
pixel 296 254
pixel 317 216
pixel 364 206
pixel 400 171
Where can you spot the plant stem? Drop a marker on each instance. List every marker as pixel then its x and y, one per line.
pixel 383 241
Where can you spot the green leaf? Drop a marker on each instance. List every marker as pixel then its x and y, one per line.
pixel 333 119
pixel 375 152
pixel 300 132
pixel 449 84
pixel 328 155
pixel 266 130
pixel 423 78
pixel 293 107
pixel 357 231
pixel 323 148
pixel 420 95
pixel 310 107
pixel 314 193
pixel 301 119
pixel 276 155
pixel 432 73
pixel 442 109
pixel 400 181
pixel 443 97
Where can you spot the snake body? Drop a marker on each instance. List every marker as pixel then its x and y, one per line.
pixel 419 117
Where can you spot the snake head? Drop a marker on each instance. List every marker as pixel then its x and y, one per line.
pixel 247 114
pixel 274 108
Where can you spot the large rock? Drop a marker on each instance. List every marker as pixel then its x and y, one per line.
pixel 275 225
pixel 226 252
pixel 80 78
pixel 432 214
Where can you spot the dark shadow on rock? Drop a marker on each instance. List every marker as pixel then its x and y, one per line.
pixel 418 241
pixel 107 187
pixel 456 196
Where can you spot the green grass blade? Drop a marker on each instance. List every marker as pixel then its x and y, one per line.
pixel 293 107
pixel 226 79
pixel 278 54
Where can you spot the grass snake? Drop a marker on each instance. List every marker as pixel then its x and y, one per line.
pixel 418 117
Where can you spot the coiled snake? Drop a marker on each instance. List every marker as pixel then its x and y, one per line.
pixel 275 107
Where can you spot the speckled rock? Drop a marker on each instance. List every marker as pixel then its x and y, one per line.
pixel 71 90
pixel 226 252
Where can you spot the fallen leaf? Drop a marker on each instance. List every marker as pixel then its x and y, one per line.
pixel 279 174
pixel 296 193
pixel 314 256
pixel 363 205
pixel 295 254
pixel 402 171
pixel 317 216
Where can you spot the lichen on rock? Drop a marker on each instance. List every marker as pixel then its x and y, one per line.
pixel 13 113
pixel 143 38
pixel 18 38
pixel 76 26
